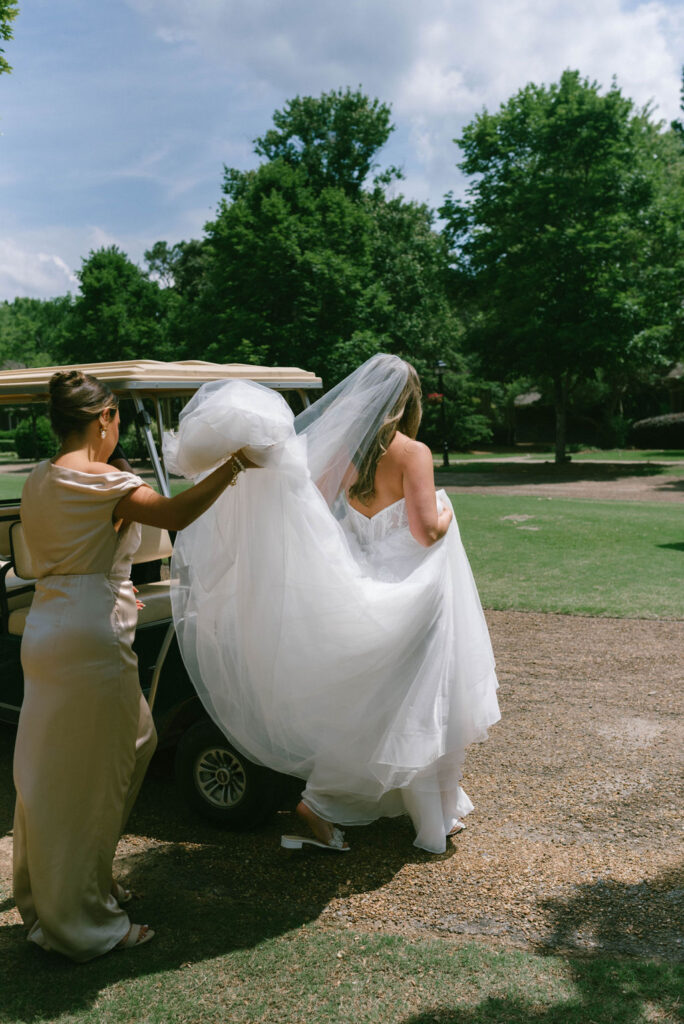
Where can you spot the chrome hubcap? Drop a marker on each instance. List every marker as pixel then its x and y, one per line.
pixel 220 777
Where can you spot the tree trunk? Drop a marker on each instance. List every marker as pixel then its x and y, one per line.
pixel 560 395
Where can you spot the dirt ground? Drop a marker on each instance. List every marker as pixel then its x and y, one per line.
pixel 575 841
pixel 576 838
pixel 595 480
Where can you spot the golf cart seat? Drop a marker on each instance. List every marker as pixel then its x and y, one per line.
pixel 154 544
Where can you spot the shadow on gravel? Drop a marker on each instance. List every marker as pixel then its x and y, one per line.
pixel 640 920
pixel 206 892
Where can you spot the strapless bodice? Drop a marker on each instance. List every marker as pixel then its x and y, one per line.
pixel 371 529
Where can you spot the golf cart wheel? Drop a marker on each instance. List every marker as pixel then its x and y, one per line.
pixel 220 783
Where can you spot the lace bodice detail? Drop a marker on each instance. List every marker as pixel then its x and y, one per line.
pixel 371 530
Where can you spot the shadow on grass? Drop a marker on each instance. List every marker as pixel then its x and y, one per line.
pixel 623 988
pixel 607 992
pixel 487 474
pixel 678 546
pixel 673 485
pixel 206 893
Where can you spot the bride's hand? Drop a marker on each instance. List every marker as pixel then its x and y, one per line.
pixel 444 517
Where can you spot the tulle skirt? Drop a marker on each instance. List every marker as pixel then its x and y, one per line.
pixel 361 664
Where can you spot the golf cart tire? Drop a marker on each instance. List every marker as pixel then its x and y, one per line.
pixel 219 782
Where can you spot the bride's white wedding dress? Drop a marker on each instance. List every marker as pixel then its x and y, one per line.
pixel 326 644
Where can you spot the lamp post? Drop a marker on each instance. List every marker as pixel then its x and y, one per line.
pixel 440 367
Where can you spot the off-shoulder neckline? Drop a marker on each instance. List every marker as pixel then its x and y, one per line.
pixel 84 472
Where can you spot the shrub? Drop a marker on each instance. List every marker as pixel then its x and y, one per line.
pixel 464 426
pixel 35 440
pixel 659 431
pixel 132 441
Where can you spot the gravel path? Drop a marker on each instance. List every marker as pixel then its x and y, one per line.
pixel 598 481
pixel 575 841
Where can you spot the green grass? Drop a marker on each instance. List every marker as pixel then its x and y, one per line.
pixel 311 975
pixel 573 556
pixel 627 454
pixel 12 483
pixel 586 455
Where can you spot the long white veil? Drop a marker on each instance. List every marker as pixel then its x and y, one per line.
pixel 340 427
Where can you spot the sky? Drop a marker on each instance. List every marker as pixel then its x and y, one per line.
pixel 119 115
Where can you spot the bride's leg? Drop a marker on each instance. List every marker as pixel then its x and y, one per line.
pixel 323 830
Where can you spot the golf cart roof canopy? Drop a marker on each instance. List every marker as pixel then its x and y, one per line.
pixel 153 377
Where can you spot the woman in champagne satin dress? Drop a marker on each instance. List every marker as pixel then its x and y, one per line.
pixel 85 733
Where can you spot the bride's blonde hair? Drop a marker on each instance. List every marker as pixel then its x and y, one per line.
pixel 405 416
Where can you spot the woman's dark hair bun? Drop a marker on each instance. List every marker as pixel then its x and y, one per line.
pixel 66 378
pixel 77 398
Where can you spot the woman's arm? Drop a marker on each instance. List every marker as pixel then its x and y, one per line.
pixel 144 505
pixel 426 522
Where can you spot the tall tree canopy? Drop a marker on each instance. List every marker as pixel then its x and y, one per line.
pixel 118 314
pixel 548 242
pixel 32 331
pixel 334 137
pixel 8 12
pixel 305 266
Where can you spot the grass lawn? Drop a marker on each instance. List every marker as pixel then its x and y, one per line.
pixel 12 483
pixel 575 556
pixel 560 555
pixel 586 455
pixel 313 975
pixel 628 454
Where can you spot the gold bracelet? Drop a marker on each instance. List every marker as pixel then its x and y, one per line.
pixel 237 469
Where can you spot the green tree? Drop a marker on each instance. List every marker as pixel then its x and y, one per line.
pixel 290 269
pixel 304 266
pixel 548 242
pixel 334 137
pixel 31 330
pixel 182 270
pixel 678 125
pixel 8 12
pixel 119 313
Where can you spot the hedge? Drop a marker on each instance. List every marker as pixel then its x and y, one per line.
pixel 38 443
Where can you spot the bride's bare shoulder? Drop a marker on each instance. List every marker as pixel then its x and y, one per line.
pixel 407 451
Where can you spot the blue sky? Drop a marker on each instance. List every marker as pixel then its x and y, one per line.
pixel 120 114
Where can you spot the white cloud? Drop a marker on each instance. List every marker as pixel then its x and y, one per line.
pixel 438 62
pixel 436 56
pixel 139 156
pixel 31 273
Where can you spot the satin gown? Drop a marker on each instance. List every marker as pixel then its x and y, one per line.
pixel 324 644
pixel 85 732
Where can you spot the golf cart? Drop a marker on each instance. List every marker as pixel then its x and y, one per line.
pixel 218 781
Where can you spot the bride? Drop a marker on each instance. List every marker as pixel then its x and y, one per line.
pixel 325 607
